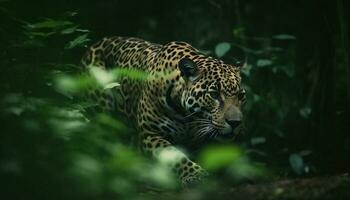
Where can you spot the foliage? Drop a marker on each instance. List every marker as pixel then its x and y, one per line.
pixel 73 148
pixel 54 147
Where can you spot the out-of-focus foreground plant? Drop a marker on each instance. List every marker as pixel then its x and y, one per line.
pixel 54 146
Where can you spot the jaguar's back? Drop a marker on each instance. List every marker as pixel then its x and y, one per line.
pixel 121 52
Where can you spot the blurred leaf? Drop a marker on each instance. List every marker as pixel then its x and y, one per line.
pixel 41 34
pixel 135 74
pixel 286 69
pixel 296 163
pixel 162 176
pixel 273 49
pixel 73 29
pixel 305 112
pixel 65 127
pixel 264 62
pixel 70 13
pixel 121 186
pixel 238 32
pixel 278 192
pixel 72 84
pixel 111 122
pixel 69 30
pixel 256 152
pixel 257 140
pixel 111 85
pixel 305 152
pixel 17 103
pixel 126 160
pixel 82 30
pixel 48 23
pixel 103 77
pixel 246 70
pixel 79 41
pixel 284 37
pixel 222 48
pixel 242 168
pixel 215 157
pixel 256 98
pixel 88 171
pixel 68 84
pixel 205 52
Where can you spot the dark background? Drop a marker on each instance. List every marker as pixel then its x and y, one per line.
pixel 297 115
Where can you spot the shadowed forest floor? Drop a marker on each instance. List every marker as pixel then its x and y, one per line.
pixel 320 188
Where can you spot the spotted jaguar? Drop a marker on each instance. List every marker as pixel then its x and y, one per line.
pixel 186 98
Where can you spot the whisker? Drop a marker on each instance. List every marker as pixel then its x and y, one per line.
pixel 212 133
pixel 218 126
pixel 202 131
pixel 200 123
pixel 216 133
pixel 196 122
pixel 203 127
pixel 190 115
pixel 203 121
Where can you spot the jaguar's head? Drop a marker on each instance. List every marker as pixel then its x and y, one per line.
pixel 213 96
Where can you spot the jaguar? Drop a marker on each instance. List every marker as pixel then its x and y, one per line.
pixel 186 98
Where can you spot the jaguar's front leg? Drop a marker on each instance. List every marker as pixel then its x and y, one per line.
pixel 188 171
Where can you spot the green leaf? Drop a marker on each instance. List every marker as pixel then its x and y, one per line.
pixel 238 32
pixel 82 30
pixel 78 42
pixel 257 140
pixel 69 30
pixel 205 52
pixel 264 62
pixel 222 48
pixel 73 84
pixel 41 34
pixel 49 23
pixel 256 98
pixel 284 37
pixel 103 77
pixel 111 85
pixel 305 112
pixel 111 122
pixel 246 70
pixel 135 74
pixel 286 69
pixel 305 152
pixel 297 164
pixel 216 157
pixel 70 13
pixel 73 29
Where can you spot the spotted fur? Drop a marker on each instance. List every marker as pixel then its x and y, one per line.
pixel 187 97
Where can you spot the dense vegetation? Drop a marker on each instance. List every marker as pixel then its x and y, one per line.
pixel 53 146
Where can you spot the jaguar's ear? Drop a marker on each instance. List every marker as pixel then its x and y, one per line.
pixel 188 68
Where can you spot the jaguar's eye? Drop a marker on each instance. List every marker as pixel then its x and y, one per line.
pixel 214 95
pixel 241 95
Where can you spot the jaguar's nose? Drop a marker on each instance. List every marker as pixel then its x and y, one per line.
pixel 233 123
